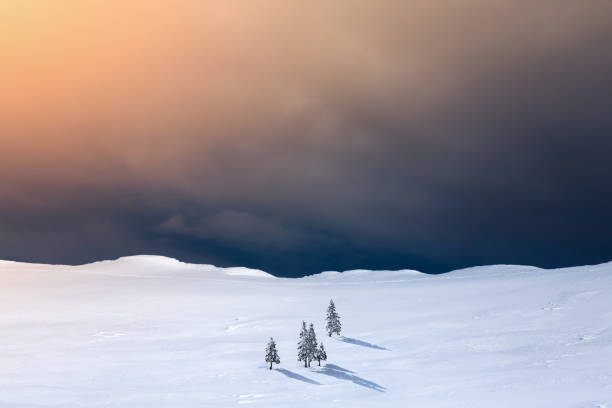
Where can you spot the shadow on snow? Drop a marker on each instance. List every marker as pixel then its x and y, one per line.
pixel 344 374
pixel 361 343
pixel 296 376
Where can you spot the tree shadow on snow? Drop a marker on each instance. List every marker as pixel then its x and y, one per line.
pixel 344 374
pixel 362 343
pixel 296 376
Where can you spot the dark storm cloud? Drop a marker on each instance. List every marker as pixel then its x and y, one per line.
pixel 359 134
pixel 242 229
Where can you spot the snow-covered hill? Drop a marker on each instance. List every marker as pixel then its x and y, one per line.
pixel 154 332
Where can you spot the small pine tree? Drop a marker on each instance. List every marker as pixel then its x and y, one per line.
pixel 333 320
pixel 321 354
pixel 303 345
pixel 271 353
pixel 312 344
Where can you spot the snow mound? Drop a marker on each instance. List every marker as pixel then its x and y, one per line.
pixel 144 266
pixel 147 265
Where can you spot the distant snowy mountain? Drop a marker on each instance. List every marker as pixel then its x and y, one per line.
pixel 149 331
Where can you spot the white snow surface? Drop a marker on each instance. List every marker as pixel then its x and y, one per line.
pixel 150 331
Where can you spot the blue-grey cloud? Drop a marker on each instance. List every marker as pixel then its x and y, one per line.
pixel 410 135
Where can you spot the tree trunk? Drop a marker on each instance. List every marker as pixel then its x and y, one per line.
pixel 319 363
pixel 270 365
pixel 305 364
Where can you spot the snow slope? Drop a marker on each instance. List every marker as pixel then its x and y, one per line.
pixel 154 332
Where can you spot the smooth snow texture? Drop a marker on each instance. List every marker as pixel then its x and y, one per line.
pixel 155 332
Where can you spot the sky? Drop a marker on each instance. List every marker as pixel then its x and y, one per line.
pixel 297 137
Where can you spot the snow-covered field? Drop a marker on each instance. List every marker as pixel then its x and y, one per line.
pixel 153 332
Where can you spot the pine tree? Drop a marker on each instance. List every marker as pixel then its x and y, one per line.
pixel 321 354
pixel 303 345
pixel 271 353
pixel 312 344
pixel 333 320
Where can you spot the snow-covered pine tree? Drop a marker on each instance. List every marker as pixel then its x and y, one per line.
pixel 312 344
pixel 271 353
pixel 333 320
pixel 321 354
pixel 303 345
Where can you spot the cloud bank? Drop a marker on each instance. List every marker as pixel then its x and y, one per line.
pixel 297 137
